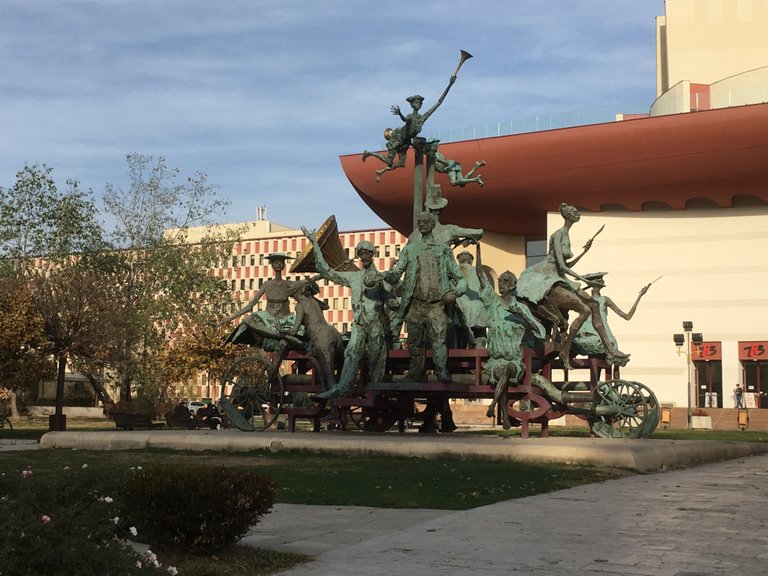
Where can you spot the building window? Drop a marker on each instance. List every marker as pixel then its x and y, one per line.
pixel 250 284
pixel 386 251
pixel 397 250
pixel 242 260
pixel 233 285
pixel 242 284
pixel 345 303
pixel 234 260
pixel 335 303
pixel 253 259
pixel 535 249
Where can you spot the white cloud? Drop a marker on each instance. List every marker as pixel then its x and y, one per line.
pixel 266 95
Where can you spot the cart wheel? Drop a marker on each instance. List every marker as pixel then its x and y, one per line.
pixel 624 409
pixel 249 400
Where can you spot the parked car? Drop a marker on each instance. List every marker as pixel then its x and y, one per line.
pixel 194 406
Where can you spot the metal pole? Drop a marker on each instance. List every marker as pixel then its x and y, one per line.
pixel 688 361
pixel 418 178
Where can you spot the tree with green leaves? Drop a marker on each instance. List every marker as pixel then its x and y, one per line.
pixel 37 220
pixel 166 282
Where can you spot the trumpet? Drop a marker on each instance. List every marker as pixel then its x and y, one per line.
pixel 464 57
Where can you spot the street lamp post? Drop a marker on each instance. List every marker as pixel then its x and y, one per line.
pixel 686 338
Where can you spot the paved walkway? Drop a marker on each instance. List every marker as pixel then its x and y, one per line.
pixel 9 445
pixel 707 520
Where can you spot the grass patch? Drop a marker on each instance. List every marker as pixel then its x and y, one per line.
pixel 235 561
pixel 343 480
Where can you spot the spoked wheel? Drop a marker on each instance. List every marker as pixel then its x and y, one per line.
pixel 249 399
pixel 624 409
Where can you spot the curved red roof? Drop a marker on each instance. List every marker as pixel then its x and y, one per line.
pixel 717 155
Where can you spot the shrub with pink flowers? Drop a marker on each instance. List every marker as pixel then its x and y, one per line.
pixel 65 524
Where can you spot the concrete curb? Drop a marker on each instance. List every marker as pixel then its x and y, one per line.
pixel 640 455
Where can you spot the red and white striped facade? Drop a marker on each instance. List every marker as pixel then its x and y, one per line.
pixel 248 268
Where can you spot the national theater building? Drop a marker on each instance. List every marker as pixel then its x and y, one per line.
pixel 681 190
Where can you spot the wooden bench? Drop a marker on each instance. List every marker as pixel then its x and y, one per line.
pixel 127 421
pixel 182 421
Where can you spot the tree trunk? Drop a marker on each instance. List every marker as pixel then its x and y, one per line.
pixel 125 387
pixel 11 396
pixel 14 408
pixel 100 390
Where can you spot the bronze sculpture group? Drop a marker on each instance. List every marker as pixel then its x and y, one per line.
pixel 432 291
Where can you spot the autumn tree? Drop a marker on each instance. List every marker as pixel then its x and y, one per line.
pixel 24 357
pixel 202 348
pixel 80 313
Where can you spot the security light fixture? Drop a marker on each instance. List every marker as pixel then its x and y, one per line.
pixel 697 338
pixel 679 339
pixel 687 326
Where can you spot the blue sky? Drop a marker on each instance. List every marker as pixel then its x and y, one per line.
pixel 265 96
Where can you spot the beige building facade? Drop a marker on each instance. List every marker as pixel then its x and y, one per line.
pixel 707 40
pixel 713 272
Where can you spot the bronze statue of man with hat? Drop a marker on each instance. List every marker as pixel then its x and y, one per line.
pixel 369 317
pixel 432 281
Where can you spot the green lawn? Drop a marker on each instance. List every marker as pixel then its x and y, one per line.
pixel 337 479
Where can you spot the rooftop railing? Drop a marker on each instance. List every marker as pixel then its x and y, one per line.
pixel 541 122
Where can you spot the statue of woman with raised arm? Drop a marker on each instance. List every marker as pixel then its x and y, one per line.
pixel 547 287
pixel 265 328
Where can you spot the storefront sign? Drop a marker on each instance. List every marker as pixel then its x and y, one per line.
pixel 706 351
pixel 753 350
